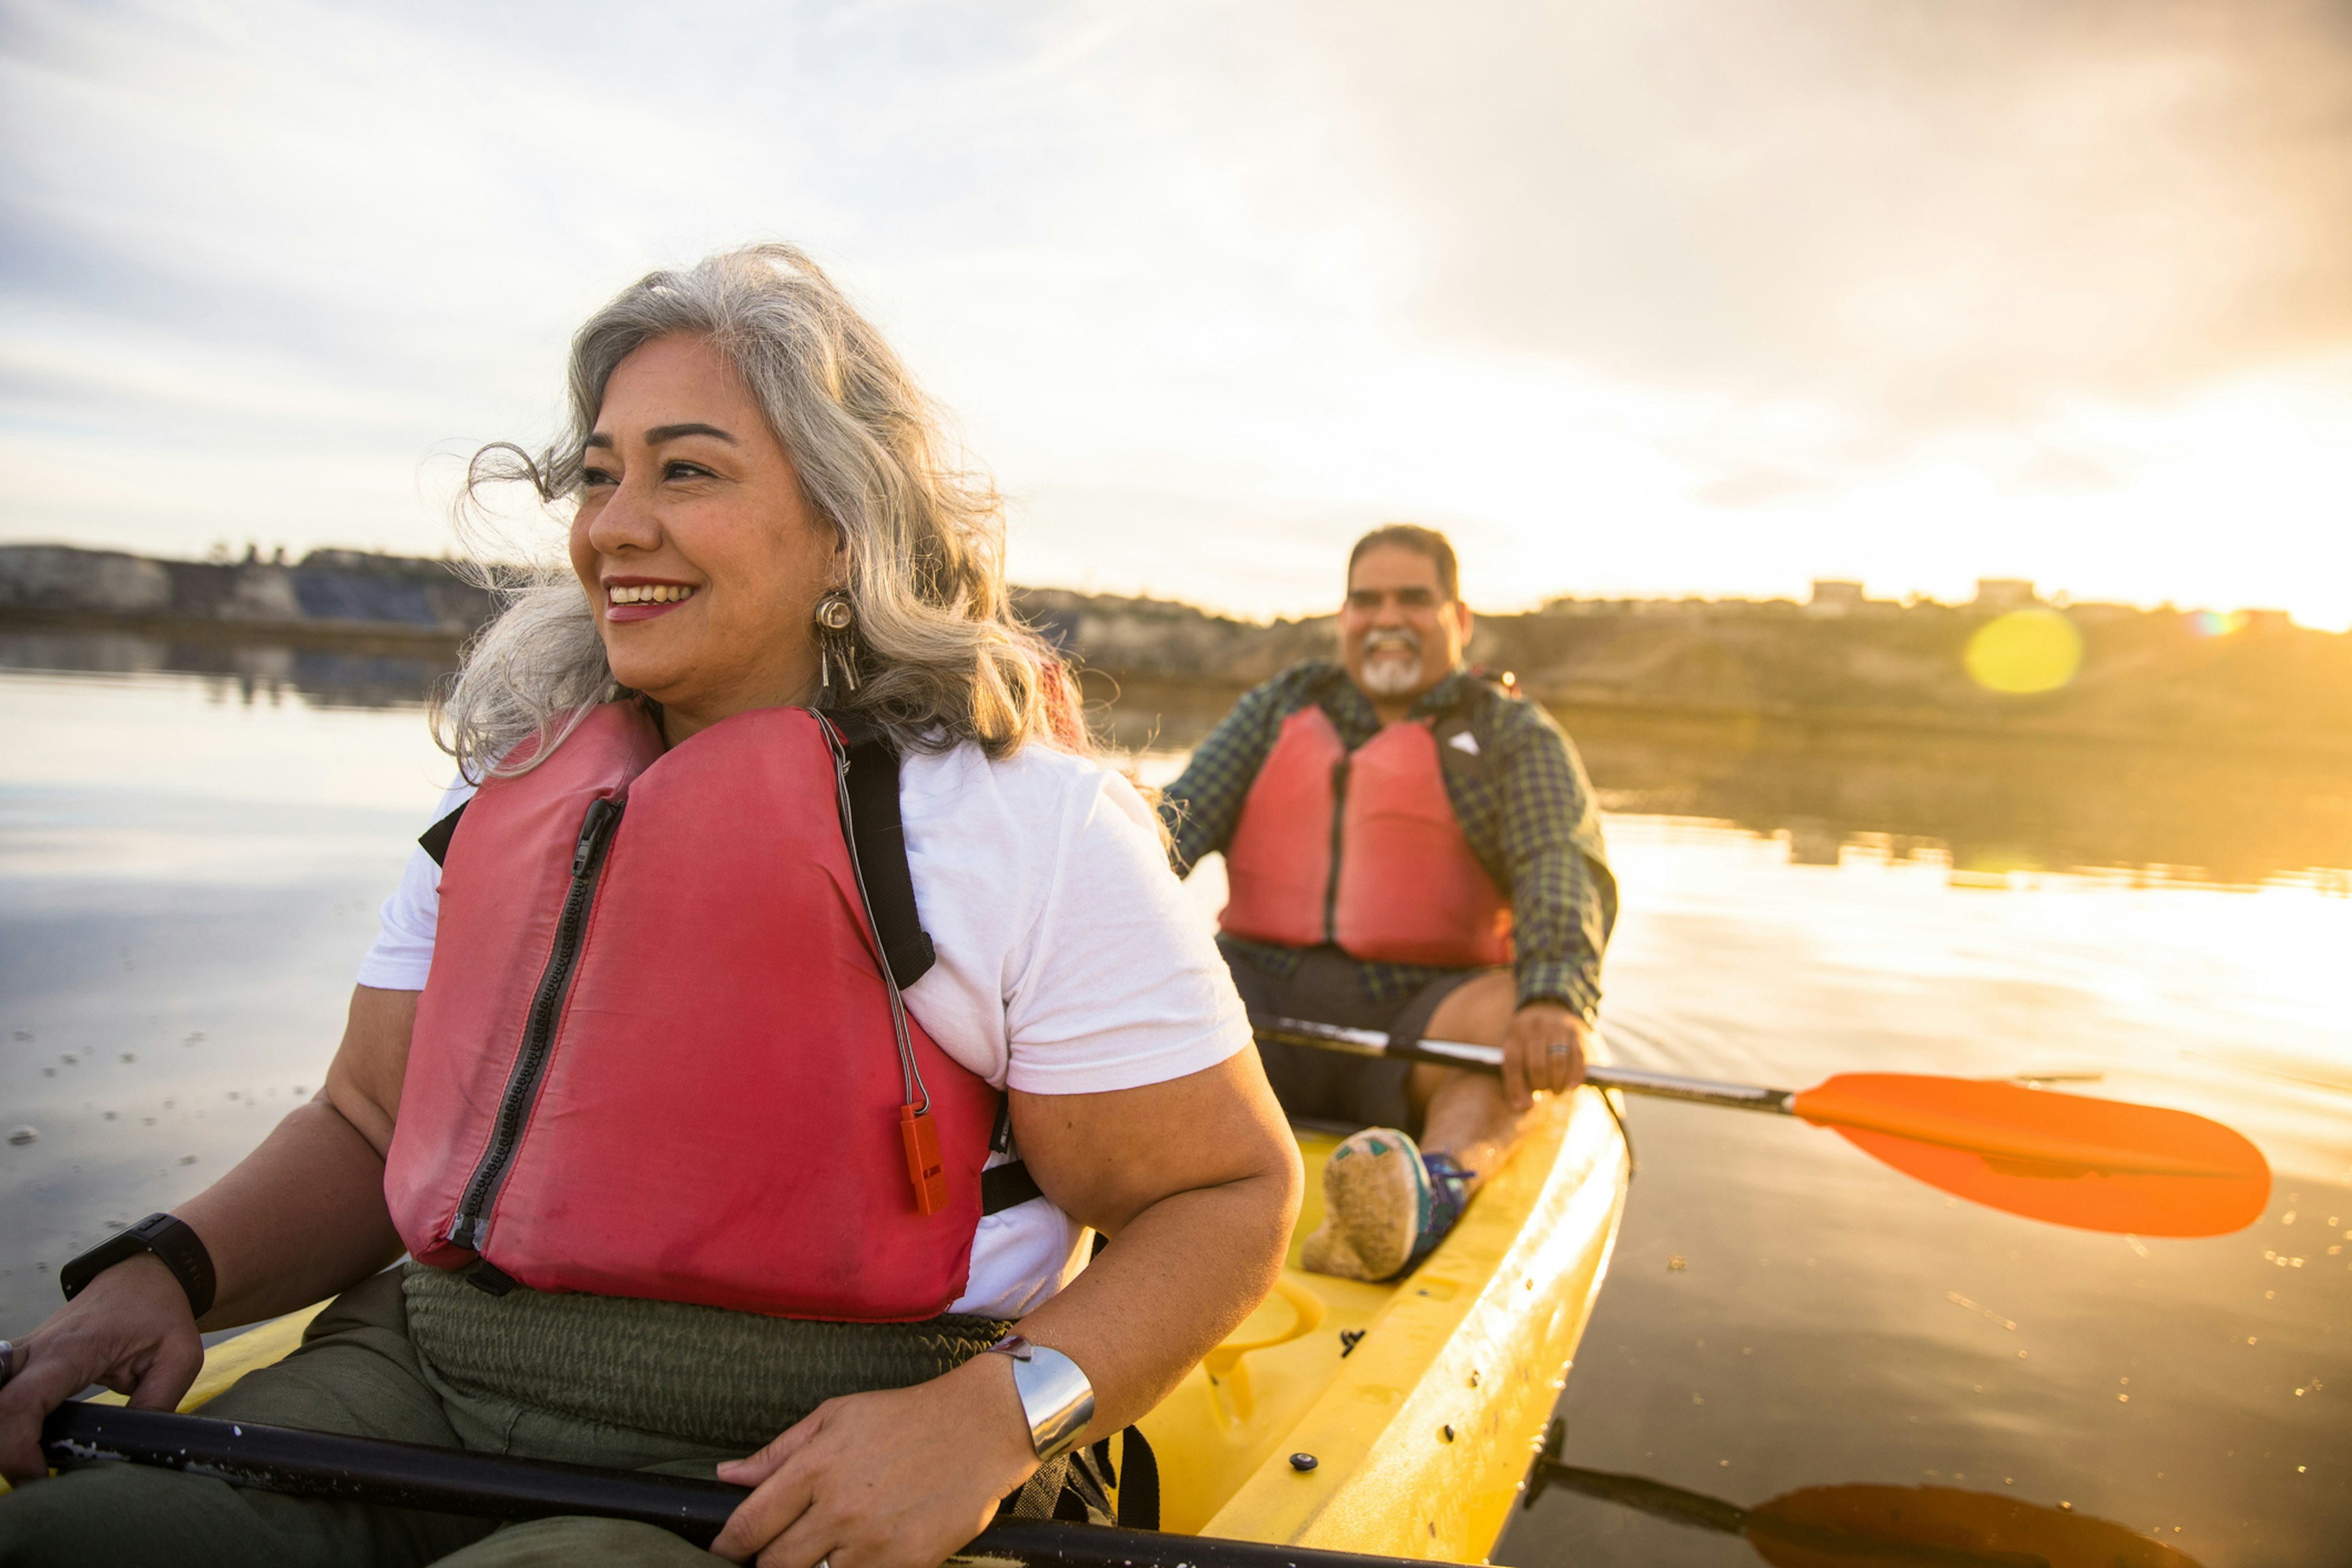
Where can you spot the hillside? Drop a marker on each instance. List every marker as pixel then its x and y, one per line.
pixel 2153 676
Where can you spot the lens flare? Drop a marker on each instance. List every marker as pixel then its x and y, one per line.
pixel 2024 651
pixel 2217 623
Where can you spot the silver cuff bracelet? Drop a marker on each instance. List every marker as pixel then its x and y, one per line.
pixel 1054 1396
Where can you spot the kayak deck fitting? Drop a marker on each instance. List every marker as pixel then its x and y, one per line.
pixel 1422 1402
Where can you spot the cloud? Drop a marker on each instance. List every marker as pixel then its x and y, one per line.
pixel 1943 289
pixel 1927 213
pixel 247 245
pixel 1753 487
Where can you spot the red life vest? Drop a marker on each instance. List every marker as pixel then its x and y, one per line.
pixel 1406 889
pixel 655 1057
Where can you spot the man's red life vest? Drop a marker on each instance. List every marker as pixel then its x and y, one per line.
pixel 1406 887
pixel 655 1055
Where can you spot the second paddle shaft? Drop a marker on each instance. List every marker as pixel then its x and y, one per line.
pixel 1489 1058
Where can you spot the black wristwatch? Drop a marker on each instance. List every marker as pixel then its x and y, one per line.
pixel 180 1249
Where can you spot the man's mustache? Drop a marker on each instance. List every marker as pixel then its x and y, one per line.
pixel 1400 638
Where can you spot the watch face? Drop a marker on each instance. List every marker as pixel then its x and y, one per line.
pixel 81 1271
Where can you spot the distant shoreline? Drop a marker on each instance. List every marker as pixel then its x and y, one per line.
pixel 2149 678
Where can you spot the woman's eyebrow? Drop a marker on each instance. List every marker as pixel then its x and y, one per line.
pixel 661 433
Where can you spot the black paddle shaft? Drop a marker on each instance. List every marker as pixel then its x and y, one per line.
pixel 490 1486
pixel 1490 1060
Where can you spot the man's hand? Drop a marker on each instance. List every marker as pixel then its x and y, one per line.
pixel 1543 1049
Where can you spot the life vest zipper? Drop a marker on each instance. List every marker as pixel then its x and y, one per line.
pixel 1338 817
pixel 470 1228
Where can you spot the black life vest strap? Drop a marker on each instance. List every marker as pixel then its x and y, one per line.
pixel 1007 1186
pixel 1138 1487
pixel 881 837
pixel 436 838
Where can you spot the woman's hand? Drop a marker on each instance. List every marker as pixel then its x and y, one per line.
pixel 130 1330
pixel 298 1220
pixel 897 1479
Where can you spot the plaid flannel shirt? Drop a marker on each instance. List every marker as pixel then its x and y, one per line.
pixel 1530 820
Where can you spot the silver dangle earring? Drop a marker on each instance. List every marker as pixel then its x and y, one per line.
pixel 835 615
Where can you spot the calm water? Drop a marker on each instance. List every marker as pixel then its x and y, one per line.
pixel 192 843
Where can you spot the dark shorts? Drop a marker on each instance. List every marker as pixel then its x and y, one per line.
pixel 1331 1086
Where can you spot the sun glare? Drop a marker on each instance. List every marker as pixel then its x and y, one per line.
pixel 2024 651
pixel 2218 623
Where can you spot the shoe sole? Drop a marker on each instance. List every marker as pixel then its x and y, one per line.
pixel 1374 1204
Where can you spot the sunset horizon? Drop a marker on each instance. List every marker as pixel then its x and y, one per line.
pixel 1644 302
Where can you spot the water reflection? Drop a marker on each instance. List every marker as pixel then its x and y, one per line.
pixel 1875 1526
pixel 1985 809
pixel 188 878
pixel 1782 1312
pixel 340 674
pixel 190 866
pixel 1993 806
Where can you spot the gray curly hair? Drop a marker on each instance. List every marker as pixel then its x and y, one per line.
pixel 941 656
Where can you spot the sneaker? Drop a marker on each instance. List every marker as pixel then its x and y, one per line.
pixel 1449 1194
pixel 1385 1208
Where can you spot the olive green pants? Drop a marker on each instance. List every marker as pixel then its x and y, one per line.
pixel 359 1372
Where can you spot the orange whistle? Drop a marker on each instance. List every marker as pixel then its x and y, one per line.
pixel 924 1166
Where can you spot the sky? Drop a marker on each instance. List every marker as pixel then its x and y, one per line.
pixel 1632 297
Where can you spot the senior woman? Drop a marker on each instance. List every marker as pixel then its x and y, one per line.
pixel 699 1067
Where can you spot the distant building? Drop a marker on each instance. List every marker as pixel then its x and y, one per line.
pixel 1998 596
pixel 1834 596
pixel 2267 620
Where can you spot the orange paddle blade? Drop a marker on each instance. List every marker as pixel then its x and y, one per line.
pixel 1940 1527
pixel 2095 1164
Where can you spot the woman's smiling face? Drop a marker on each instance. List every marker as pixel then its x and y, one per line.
pixel 701 558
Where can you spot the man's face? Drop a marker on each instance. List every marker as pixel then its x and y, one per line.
pixel 1399 634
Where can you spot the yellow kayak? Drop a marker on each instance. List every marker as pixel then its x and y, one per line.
pixel 1422 1429
pixel 1420 1403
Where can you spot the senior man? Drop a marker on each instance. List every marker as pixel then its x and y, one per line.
pixel 1411 847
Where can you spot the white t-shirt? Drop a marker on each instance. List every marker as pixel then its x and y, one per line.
pixel 1069 959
